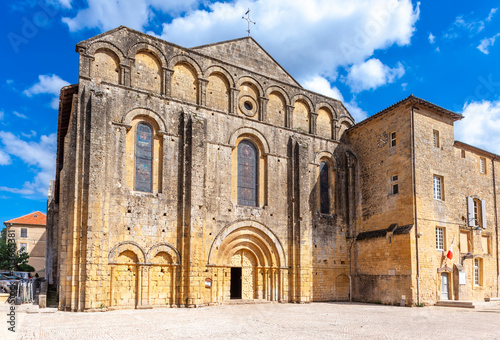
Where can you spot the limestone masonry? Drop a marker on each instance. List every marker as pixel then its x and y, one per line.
pixel 194 176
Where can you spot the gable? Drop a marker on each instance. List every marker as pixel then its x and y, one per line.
pixel 248 54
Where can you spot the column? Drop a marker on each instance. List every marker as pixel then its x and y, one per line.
pixel 263 109
pixel 233 107
pixel 167 82
pixel 289 113
pixel 111 285
pixel 125 75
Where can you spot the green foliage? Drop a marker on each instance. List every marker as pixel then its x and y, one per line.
pixel 24 267
pixel 10 257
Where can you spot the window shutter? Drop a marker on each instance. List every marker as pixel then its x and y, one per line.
pixel 470 212
pixel 483 213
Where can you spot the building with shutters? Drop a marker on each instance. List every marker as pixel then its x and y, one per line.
pixel 198 176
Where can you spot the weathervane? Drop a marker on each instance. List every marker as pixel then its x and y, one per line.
pixel 247 13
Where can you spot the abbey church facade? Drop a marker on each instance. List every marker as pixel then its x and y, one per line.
pixel 199 176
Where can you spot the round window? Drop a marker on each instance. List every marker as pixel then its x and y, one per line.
pixel 248 105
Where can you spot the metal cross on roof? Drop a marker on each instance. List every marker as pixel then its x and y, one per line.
pixel 247 13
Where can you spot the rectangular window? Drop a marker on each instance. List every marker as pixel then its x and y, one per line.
pixel 23 247
pixel 438 187
pixel 463 153
pixel 439 238
pixel 482 165
pixel 435 134
pixel 24 232
pixel 394 184
pixel 393 139
pixel 477 272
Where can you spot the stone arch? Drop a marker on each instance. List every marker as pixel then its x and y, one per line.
pixel 251 80
pixel 164 247
pixel 342 283
pixel 257 136
pixel 147 73
pixel 301 116
pixel 126 246
pixel 185 80
pixel 325 155
pixel 105 66
pixel 219 69
pixel 143 46
pixel 106 45
pixel 218 90
pixel 344 123
pixel 250 232
pixel 147 112
pixel 325 123
pixel 280 90
pixel 328 106
pixel 184 59
pixel 305 99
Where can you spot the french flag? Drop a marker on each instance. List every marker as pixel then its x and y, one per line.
pixel 450 251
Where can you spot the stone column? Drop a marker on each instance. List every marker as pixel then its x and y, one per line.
pixel 125 75
pixel 111 285
pixel 263 109
pixel 233 107
pixel 202 91
pixel 173 285
pixel 167 82
pixel 335 126
pixel 289 114
pixel 313 122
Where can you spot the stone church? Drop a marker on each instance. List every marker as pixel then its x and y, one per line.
pixel 200 176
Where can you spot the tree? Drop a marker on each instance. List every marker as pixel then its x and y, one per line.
pixel 10 257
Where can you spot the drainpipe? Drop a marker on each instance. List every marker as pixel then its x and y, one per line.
pixel 415 200
pixel 496 221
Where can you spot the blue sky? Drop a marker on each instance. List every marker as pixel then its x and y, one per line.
pixel 368 53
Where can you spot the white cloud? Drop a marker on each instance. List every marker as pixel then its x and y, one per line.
pixel 432 38
pixel 357 113
pixel 492 12
pixel 48 84
pixel 487 43
pixel 481 125
pixel 20 115
pixel 322 86
pixel 307 40
pixel 372 74
pixel 4 158
pixel 106 15
pixel 40 155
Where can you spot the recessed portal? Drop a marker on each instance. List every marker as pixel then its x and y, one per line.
pixel 235 283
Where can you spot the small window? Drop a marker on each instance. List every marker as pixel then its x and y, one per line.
pixel 439 238
pixel 478 213
pixel 393 139
pixel 435 134
pixel 477 272
pixel 482 165
pixel 394 184
pixel 486 244
pixel 463 153
pixel 24 232
pixel 438 187
pixel 465 242
pixel 23 247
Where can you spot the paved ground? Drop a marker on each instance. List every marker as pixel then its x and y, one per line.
pixel 264 321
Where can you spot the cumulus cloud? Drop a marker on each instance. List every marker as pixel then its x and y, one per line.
pixel 39 155
pixel 481 125
pixel 4 158
pixel 487 43
pixel 106 15
pixel 47 84
pixel 432 38
pixel 372 74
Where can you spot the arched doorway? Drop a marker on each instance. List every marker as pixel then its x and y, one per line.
pixel 248 263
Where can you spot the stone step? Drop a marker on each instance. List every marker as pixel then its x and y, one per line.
pixel 453 303
pixel 491 299
pixel 244 302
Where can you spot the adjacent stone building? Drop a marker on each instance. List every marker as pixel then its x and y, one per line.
pixel 30 234
pixel 193 176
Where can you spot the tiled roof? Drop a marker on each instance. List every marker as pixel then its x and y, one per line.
pixel 35 218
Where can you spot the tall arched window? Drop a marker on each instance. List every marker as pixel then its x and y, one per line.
pixel 247 173
pixel 324 188
pixel 144 158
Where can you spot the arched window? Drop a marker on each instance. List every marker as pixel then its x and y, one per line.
pixel 144 158
pixel 324 188
pixel 247 173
